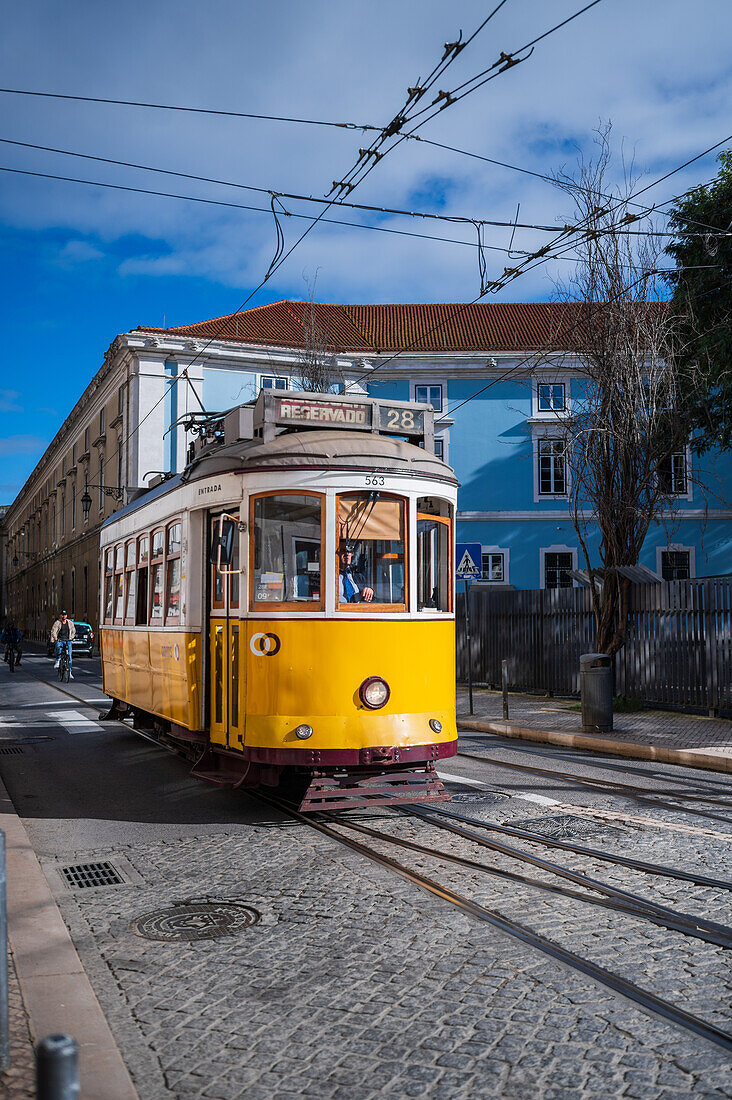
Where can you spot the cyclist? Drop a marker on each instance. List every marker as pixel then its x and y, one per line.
pixel 11 636
pixel 63 633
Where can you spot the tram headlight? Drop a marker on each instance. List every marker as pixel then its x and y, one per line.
pixel 374 693
pixel 435 725
pixel 303 732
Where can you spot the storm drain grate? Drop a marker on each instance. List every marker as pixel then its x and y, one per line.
pixel 564 827
pixel 10 750
pixel 189 921
pixel 82 875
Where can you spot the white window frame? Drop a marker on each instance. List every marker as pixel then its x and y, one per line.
pixel 689 494
pixel 506 565
pixel 556 550
pixel 444 438
pixel 275 377
pixel 536 437
pixel 550 379
pixel 441 382
pixel 676 547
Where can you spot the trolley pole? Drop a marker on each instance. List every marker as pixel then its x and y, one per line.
pixel 469 647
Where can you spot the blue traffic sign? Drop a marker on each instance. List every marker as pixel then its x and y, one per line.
pixel 468 559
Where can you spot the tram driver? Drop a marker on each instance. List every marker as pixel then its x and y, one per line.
pixel 352 587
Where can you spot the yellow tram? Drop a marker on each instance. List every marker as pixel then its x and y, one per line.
pixel 283 609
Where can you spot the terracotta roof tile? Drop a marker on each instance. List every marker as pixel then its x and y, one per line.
pixel 373 329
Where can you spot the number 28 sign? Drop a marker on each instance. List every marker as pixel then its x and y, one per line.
pixel 403 421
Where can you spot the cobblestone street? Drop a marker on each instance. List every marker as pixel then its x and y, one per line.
pixel 356 984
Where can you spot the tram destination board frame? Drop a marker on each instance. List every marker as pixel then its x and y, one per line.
pixel 280 410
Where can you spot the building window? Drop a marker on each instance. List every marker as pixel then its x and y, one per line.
pixel 86 440
pixel 675 565
pixel 101 481
pixel 73 506
pixel 672 474
pixel 440 448
pixel 493 567
pixel 558 566
pixel 63 514
pixel 429 395
pixel 102 421
pixel 551 397
pixel 273 382
pixel 552 467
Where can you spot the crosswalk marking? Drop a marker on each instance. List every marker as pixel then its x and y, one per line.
pixel 73 721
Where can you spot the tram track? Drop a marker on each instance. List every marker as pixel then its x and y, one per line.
pixel 326 824
pixel 627 790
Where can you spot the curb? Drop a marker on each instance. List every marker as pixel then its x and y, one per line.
pixel 55 988
pixel 688 758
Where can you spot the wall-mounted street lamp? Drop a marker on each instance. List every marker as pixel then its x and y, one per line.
pixel 116 491
pixel 25 554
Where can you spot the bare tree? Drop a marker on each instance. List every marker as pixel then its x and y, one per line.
pixel 317 367
pixel 619 431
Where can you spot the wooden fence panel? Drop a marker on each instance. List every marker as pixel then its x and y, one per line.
pixel 678 651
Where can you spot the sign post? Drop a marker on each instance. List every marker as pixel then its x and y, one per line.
pixel 470 564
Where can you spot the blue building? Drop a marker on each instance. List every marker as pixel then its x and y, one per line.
pixel 499 380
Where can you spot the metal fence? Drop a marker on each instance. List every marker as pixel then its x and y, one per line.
pixel 678 652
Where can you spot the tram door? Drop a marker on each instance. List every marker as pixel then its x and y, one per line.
pixel 226 662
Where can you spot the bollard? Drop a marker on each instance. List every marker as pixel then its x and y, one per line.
pixel 57 1068
pixel 504 688
pixel 4 1023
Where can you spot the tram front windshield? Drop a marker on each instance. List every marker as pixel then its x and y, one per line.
pixel 371 550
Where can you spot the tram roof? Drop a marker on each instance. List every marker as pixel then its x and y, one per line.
pixel 333 450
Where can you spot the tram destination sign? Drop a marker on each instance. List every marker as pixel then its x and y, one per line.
pixel 334 414
pixel 397 419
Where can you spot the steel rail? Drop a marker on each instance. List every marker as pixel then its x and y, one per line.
pixel 721 933
pixel 608 857
pixel 679 922
pixel 648 1001
pixel 610 786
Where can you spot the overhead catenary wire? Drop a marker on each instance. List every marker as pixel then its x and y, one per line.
pixel 188 110
pixel 501 65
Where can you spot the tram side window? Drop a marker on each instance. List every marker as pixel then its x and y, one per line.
pixel 108 585
pixel 142 559
pixel 434 571
pixel 130 582
pixel 371 551
pixel 119 584
pixel 172 573
pixel 287 550
pixel 156 577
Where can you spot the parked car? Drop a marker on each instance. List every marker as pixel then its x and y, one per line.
pixel 83 643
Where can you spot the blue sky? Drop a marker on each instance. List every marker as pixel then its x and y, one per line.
pixel 83 264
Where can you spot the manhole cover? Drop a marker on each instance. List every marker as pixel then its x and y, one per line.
pixel 564 827
pixel 82 875
pixel 194 921
pixel 478 796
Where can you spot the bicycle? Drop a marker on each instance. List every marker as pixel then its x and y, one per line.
pixel 64 665
pixel 10 657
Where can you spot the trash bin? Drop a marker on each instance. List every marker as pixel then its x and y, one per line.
pixel 596 692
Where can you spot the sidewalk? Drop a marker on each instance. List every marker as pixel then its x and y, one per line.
pixel 18 1081
pixel 668 736
pixel 49 991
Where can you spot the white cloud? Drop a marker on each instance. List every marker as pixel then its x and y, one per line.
pixel 22 445
pixel 9 401
pixel 666 83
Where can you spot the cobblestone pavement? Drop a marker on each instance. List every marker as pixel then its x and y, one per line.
pixel 667 729
pixel 18 1081
pixel 356 984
